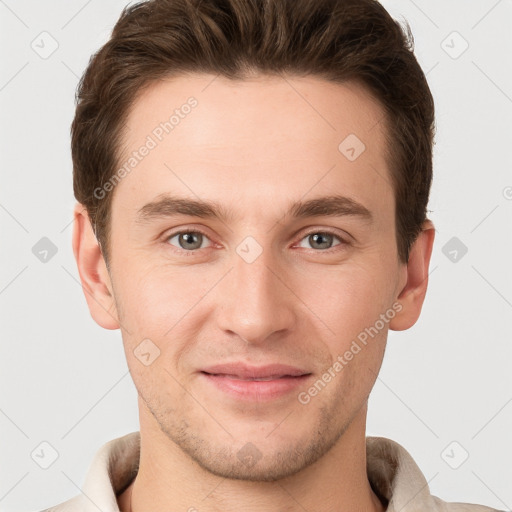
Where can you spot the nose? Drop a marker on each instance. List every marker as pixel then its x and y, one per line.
pixel 255 300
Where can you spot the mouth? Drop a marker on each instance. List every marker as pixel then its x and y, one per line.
pixel 243 371
pixel 259 384
pixel 256 379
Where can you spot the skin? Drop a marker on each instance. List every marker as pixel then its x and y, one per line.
pixel 254 146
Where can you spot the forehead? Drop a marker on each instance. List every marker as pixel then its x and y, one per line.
pixel 313 107
pixel 267 134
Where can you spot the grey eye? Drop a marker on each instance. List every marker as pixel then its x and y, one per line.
pixel 190 240
pixel 320 240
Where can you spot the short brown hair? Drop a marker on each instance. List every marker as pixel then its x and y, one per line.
pixel 338 40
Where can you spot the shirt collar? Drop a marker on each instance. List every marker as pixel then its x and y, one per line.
pixel 392 473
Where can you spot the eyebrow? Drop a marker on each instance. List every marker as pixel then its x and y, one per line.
pixel 329 206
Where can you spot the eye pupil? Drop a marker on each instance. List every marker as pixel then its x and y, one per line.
pixel 317 239
pixel 191 240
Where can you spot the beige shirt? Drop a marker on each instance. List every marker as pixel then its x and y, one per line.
pixel 392 472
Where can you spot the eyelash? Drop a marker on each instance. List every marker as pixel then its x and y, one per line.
pixel 343 242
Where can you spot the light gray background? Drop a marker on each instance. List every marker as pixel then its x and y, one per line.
pixel 64 380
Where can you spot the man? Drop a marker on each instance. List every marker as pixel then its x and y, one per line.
pixel 252 180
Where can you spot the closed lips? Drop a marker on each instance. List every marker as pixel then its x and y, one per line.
pixel 242 371
pixel 271 377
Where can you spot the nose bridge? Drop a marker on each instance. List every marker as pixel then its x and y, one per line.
pixel 255 303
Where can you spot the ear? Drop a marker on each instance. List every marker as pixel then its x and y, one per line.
pixel 413 292
pixel 93 272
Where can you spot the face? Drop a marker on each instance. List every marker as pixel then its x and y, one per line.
pixel 290 258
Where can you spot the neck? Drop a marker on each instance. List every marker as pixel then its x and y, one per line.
pixel 168 480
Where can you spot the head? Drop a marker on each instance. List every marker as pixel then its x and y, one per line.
pixel 269 116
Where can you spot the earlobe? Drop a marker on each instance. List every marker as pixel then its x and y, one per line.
pixel 412 295
pixel 93 272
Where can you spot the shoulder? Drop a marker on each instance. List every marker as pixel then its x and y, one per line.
pixel 445 506
pixel 75 504
pixel 112 468
pixel 397 480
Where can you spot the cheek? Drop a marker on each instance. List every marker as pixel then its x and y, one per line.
pixel 350 302
pixel 347 298
pixel 154 298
